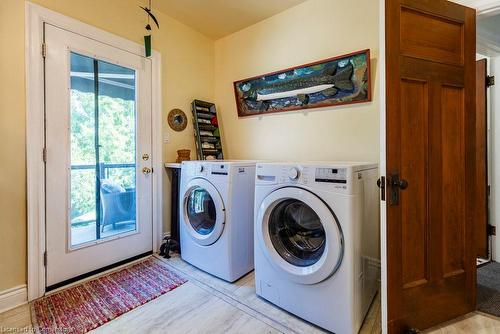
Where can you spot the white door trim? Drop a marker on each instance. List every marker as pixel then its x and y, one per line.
pixel 491 43
pixel 382 166
pixel 36 16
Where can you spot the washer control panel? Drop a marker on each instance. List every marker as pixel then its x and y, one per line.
pixel 341 178
pixel 294 174
pixel 307 175
pixel 331 175
pixel 205 169
pixel 199 169
pixel 220 169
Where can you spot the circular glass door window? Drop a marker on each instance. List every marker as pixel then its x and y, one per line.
pixel 201 211
pixel 297 233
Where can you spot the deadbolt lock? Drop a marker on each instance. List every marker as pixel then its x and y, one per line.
pixel 145 157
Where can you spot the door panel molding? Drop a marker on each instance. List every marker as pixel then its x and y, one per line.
pixel 36 17
pixel 421 42
pixel 414 227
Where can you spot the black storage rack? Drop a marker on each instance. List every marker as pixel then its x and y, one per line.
pixel 204 114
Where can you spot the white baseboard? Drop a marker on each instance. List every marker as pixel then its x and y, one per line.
pixel 13 297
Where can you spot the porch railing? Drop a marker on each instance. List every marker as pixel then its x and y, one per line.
pixel 103 168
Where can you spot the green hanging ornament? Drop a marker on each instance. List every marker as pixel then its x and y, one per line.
pixel 147 45
pixel 147 38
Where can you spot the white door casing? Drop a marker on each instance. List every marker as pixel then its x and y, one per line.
pixel 63 261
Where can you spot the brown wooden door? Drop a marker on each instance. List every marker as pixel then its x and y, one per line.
pixel 430 131
pixel 481 195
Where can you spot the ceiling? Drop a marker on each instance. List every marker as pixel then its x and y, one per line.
pixel 490 24
pixel 488 35
pixel 480 5
pixel 219 18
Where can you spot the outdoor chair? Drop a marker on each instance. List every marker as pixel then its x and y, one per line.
pixel 118 204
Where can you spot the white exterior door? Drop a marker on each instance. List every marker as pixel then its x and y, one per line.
pixel 98 155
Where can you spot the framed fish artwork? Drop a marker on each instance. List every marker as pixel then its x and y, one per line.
pixel 329 82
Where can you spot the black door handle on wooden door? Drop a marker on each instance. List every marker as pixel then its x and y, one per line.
pixel 396 184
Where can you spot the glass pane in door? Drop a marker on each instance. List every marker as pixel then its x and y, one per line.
pixel 103 149
pixel 117 148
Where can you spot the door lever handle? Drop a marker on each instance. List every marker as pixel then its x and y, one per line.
pixel 396 184
pixel 400 183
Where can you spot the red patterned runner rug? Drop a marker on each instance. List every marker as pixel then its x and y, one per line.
pixel 91 304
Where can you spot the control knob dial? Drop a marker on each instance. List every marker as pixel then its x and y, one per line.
pixel 293 173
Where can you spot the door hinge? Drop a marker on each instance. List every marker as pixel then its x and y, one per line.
pixel 492 230
pixel 490 80
pixel 45 258
pixel 44 50
pixel 44 154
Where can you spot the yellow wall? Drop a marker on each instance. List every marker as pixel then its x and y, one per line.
pixel 12 146
pixel 314 30
pixel 187 59
pixel 195 66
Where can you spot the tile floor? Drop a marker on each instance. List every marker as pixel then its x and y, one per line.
pixel 242 292
pixel 473 323
pixel 206 304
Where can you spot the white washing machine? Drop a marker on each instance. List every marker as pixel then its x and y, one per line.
pixel 216 216
pixel 317 240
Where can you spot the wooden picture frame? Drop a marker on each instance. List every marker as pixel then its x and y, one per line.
pixel 335 81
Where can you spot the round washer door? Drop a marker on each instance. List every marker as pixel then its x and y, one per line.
pixel 204 213
pixel 300 236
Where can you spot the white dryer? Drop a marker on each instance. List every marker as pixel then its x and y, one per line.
pixel 316 240
pixel 216 216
